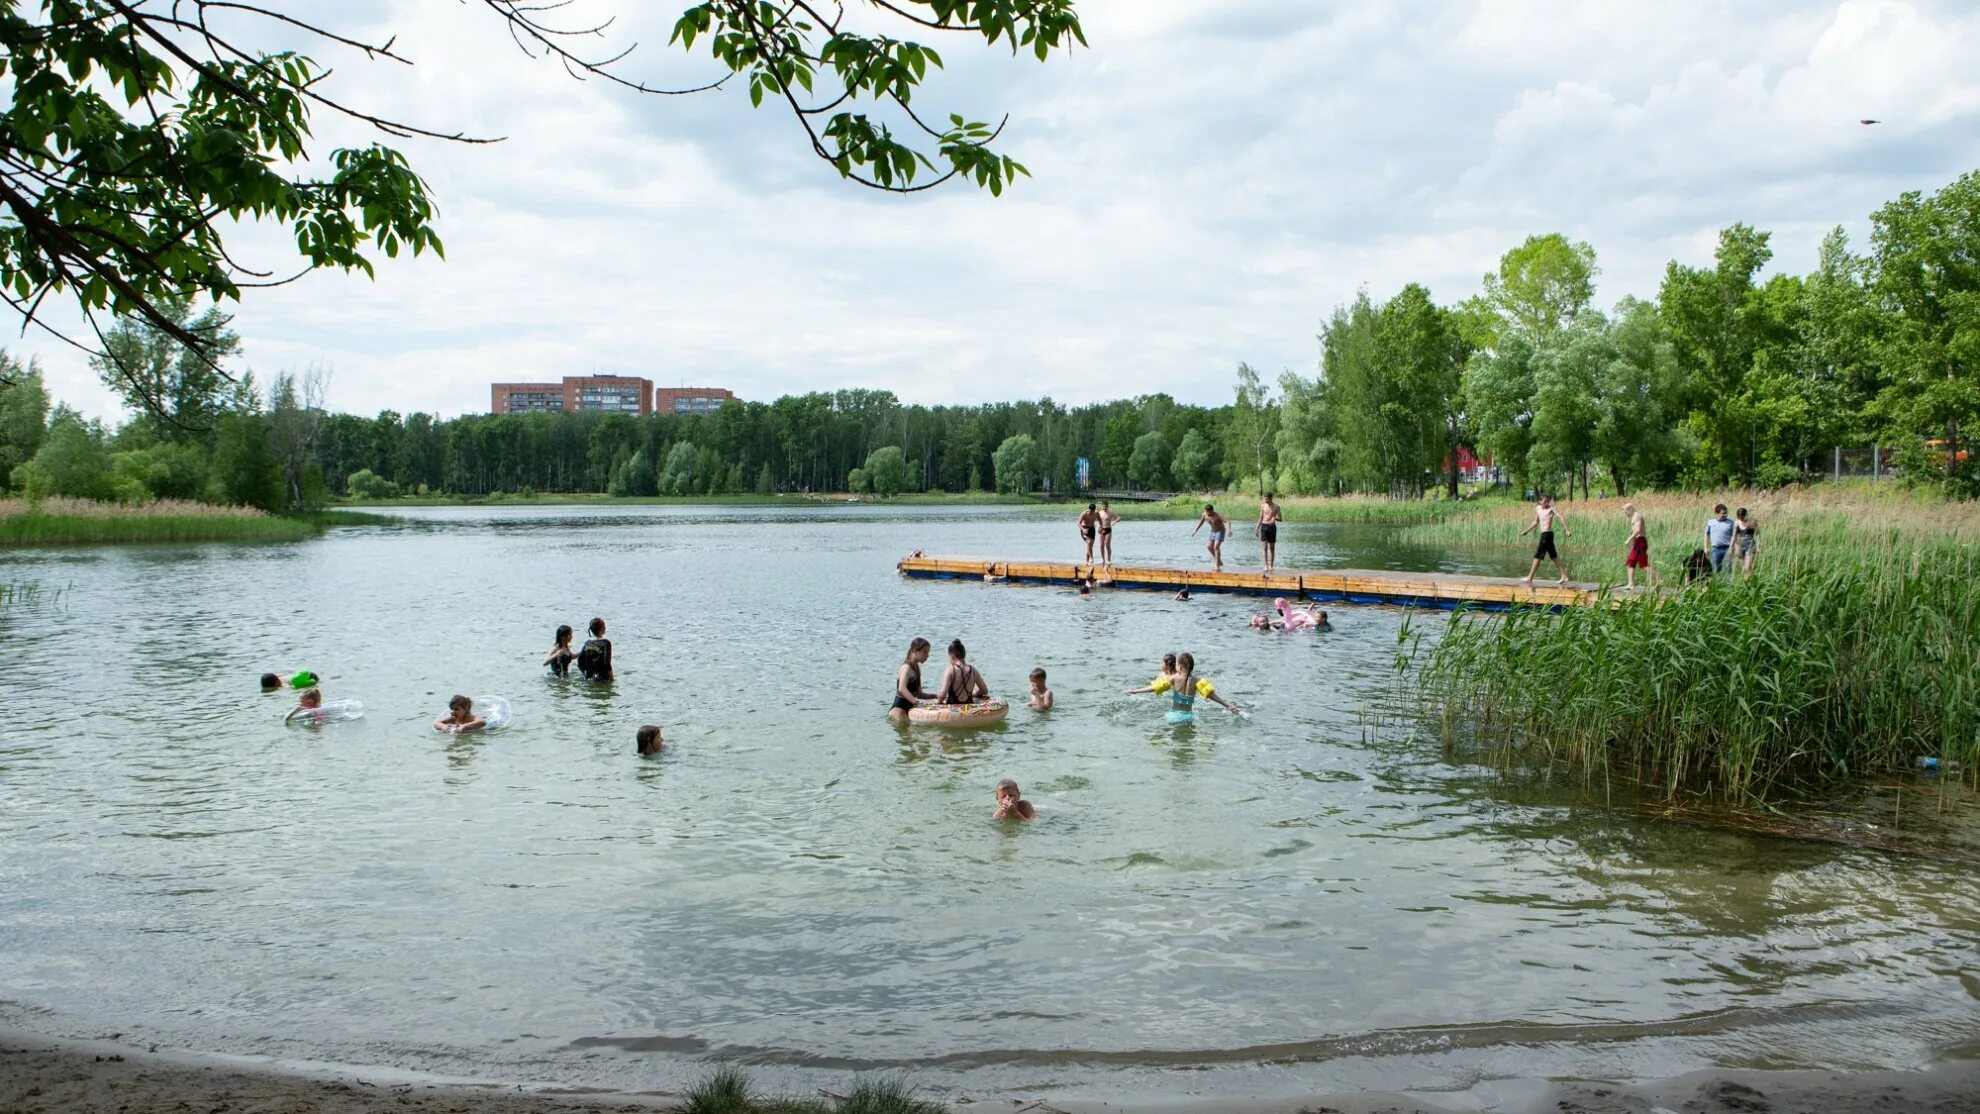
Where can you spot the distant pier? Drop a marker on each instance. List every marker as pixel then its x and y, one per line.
pixel 1408 589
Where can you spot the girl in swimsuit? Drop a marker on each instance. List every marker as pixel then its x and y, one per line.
pixel 1746 532
pixel 961 683
pixel 907 681
pixel 1183 687
pixel 561 655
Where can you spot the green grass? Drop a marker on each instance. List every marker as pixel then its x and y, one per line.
pixel 585 499
pixel 81 522
pixel 1851 654
pixel 727 1090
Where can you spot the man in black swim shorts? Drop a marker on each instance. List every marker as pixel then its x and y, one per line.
pixel 1268 531
pixel 1545 518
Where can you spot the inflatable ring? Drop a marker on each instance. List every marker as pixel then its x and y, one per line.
pixel 494 709
pixel 959 715
pixel 330 711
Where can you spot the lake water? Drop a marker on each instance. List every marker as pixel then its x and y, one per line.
pixel 1271 906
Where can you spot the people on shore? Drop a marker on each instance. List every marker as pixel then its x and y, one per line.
pixel 1746 538
pixel 1638 556
pixel 1219 526
pixel 648 741
pixel 907 682
pixel 1268 531
pixel 961 683
pixel 561 655
pixel 1546 519
pixel 1107 520
pixel 1041 697
pixel 460 718
pixel 1183 688
pixel 1718 537
pixel 310 701
pixel 1011 804
pixel 594 659
pixel 1089 529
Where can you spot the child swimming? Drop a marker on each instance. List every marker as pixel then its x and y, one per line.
pixel 1041 697
pixel 561 655
pixel 649 741
pixel 460 718
pixel 309 702
pixel 1183 687
pixel 1011 804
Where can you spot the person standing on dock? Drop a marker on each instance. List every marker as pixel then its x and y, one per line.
pixel 1089 526
pixel 1218 526
pixel 1545 518
pixel 1639 549
pixel 1107 520
pixel 1268 531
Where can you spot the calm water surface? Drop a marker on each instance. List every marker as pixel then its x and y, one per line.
pixel 1260 907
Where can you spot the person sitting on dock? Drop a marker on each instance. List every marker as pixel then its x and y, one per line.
pixel 907 681
pixel 1089 529
pixel 1268 531
pixel 1219 525
pixel 1545 518
pixel 961 683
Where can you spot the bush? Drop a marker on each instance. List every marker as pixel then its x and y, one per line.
pixel 366 484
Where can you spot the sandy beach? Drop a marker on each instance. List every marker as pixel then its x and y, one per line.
pixel 41 1075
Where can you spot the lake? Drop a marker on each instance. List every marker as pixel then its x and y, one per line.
pixel 1289 903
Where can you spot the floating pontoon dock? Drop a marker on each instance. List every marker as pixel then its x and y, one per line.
pixel 1409 589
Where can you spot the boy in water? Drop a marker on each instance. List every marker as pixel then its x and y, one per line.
pixel 1639 550
pixel 1218 526
pixel 1041 697
pixel 460 718
pixel 309 702
pixel 270 682
pixel 1011 804
pixel 594 660
pixel 1268 531
pixel 1545 518
pixel 649 741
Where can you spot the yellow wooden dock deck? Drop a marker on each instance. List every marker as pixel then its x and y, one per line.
pixel 1411 589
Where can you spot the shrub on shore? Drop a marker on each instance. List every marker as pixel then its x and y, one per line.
pixel 727 1090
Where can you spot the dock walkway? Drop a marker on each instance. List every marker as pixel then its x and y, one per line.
pixel 1410 589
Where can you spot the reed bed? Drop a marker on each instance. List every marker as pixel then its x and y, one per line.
pixel 87 522
pixel 1853 655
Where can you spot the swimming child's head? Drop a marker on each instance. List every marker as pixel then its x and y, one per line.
pixel 1260 622
pixel 1168 663
pixel 460 705
pixel 1038 680
pixel 270 682
pixel 1086 587
pixel 956 651
pixel 564 634
pixel 649 739
pixel 1185 664
pixel 918 650
pixel 311 698
pixel 1182 593
pixel 1007 791
pixel 597 628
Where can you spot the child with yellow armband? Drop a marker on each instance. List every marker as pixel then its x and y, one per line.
pixel 1183 688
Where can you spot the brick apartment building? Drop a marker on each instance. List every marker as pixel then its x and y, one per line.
pixel 690 400
pixel 610 394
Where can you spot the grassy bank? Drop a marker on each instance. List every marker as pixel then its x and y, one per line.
pixel 588 499
pixel 728 1091
pixel 85 522
pixel 1851 653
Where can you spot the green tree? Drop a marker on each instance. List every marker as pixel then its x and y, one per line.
pixel 1498 397
pixel 1253 427
pixel 166 470
pixel 1715 318
pixel 244 470
pixel 677 475
pixel 1565 402
pixel 1117 446
pixel 1540 288
pixel 887 470
pixel 1019 464
pixel 765 484
pixel 23 414
pixel 960 452
pixel 1192 466
pixel 1926 253
pixel 857 482
pixel 1424 353
pixel 1148 465
pixel 295 414
pixel 71 460
pixel 176 391
pixel 366 484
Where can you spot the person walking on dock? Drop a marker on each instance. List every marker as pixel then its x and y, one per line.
pixel 1268 531
pixel 1219 525
pixel 1089 527
pixel 1545 518
pixel 1639 549
pixel 1718 537
pixel 1107 520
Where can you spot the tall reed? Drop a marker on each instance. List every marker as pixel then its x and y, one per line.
pixel 1851 656
pixel 87 522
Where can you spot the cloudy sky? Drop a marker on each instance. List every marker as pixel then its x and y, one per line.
pixel 1211 178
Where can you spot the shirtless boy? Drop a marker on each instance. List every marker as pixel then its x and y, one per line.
pixel 1545 519
pixel 1268 530
pixel 1089 527
pixel 1218 526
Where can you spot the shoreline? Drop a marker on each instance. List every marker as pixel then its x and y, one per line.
pixel 46 1075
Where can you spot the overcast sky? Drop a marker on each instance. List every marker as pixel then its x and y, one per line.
pixel 1211 178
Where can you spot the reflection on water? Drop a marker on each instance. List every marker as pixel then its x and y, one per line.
pixel 1277 904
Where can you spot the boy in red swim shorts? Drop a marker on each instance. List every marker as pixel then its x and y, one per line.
pixel 1639 549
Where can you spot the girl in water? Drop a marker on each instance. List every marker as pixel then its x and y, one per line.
pixel 907 681
pixel 1183 687
pixel 961 683
pixel 561 655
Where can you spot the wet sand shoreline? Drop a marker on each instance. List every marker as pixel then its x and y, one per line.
pixel 46 1075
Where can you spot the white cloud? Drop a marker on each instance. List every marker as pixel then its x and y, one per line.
pixel 1211 180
